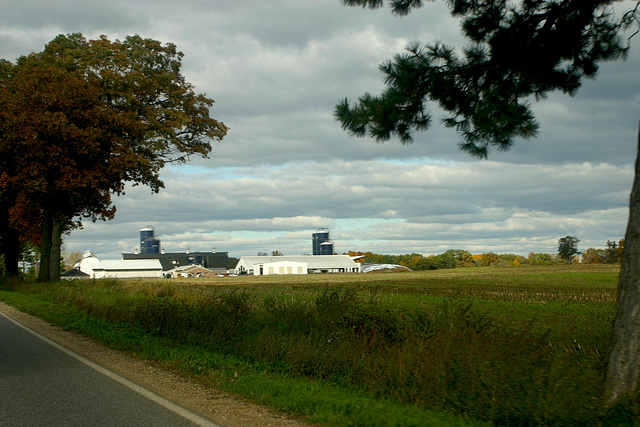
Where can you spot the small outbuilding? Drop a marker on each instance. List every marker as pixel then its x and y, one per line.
pixel 74 273
pixel 193 271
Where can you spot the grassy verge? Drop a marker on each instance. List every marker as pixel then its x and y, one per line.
pixel 503 346
pixel 315 401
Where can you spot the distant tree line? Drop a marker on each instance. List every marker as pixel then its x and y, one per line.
pixel 611 255
pixel 457 258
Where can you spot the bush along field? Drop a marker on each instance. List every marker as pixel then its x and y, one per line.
pixel 516 346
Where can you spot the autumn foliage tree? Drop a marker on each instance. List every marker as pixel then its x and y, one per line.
pixel 517 51
pixel 80 120
pixel 612 254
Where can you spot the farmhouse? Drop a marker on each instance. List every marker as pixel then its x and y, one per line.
pixel 118 269
pixel 303 264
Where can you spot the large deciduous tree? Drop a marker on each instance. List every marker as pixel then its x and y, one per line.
pixel 568 248
pixel 518 51
pixel 9 234
pixel 80 120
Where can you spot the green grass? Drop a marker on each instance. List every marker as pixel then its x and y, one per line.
pixel 316 401
pixel 523 346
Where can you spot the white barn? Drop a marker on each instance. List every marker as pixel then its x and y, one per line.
pixel 302 264
pixel 119 269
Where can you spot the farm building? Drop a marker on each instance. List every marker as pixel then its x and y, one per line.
pixel 171 260
pixel 190 271
pixel 303 264
pixel 151 248
pixel 119 269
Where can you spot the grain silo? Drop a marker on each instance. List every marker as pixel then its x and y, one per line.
pixel 321 243
pixel 149 242
pixel 326 248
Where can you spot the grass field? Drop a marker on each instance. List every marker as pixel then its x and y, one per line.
pixel 514 345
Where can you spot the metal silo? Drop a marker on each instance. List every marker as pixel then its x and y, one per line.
pixel 146 232
pixel 326 248
pixel 149 243
pixel 319 237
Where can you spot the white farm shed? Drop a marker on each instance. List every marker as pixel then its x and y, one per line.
pixel 120 269
pixel 302 264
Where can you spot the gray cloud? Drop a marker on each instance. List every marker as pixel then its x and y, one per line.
pixel 68 16
pixel 404 207
pixel 276 70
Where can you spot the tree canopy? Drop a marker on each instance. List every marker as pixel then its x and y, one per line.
pixel 517 51
pixel 81 119
pixel 568 248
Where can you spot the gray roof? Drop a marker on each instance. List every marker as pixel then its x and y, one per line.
pixel 127 265
pixel 74 272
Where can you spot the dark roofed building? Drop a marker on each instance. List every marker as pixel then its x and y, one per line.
pixel 171 260
pixel 75 273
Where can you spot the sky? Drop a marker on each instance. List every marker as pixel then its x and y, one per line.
pixel 276 69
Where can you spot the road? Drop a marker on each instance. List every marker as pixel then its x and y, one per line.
pixel 42 383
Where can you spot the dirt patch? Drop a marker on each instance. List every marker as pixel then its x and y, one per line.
pixel 221 407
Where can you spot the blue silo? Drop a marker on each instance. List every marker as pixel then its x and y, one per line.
pixel 149 243
pixel 326 248
pixel 319 237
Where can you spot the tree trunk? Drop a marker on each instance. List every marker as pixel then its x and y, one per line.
pixel 44 275
pixel 623 369
pixel 56 243
pixel 10 249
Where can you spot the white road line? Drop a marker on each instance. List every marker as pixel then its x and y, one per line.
pixel 194 418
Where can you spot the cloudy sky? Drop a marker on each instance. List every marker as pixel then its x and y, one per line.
pixel 276 69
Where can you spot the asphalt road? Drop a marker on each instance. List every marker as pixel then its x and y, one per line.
pixel 43 384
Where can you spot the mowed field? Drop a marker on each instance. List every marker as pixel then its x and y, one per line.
pixel 514 345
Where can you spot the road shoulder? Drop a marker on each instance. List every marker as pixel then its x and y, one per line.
pixel 222 407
